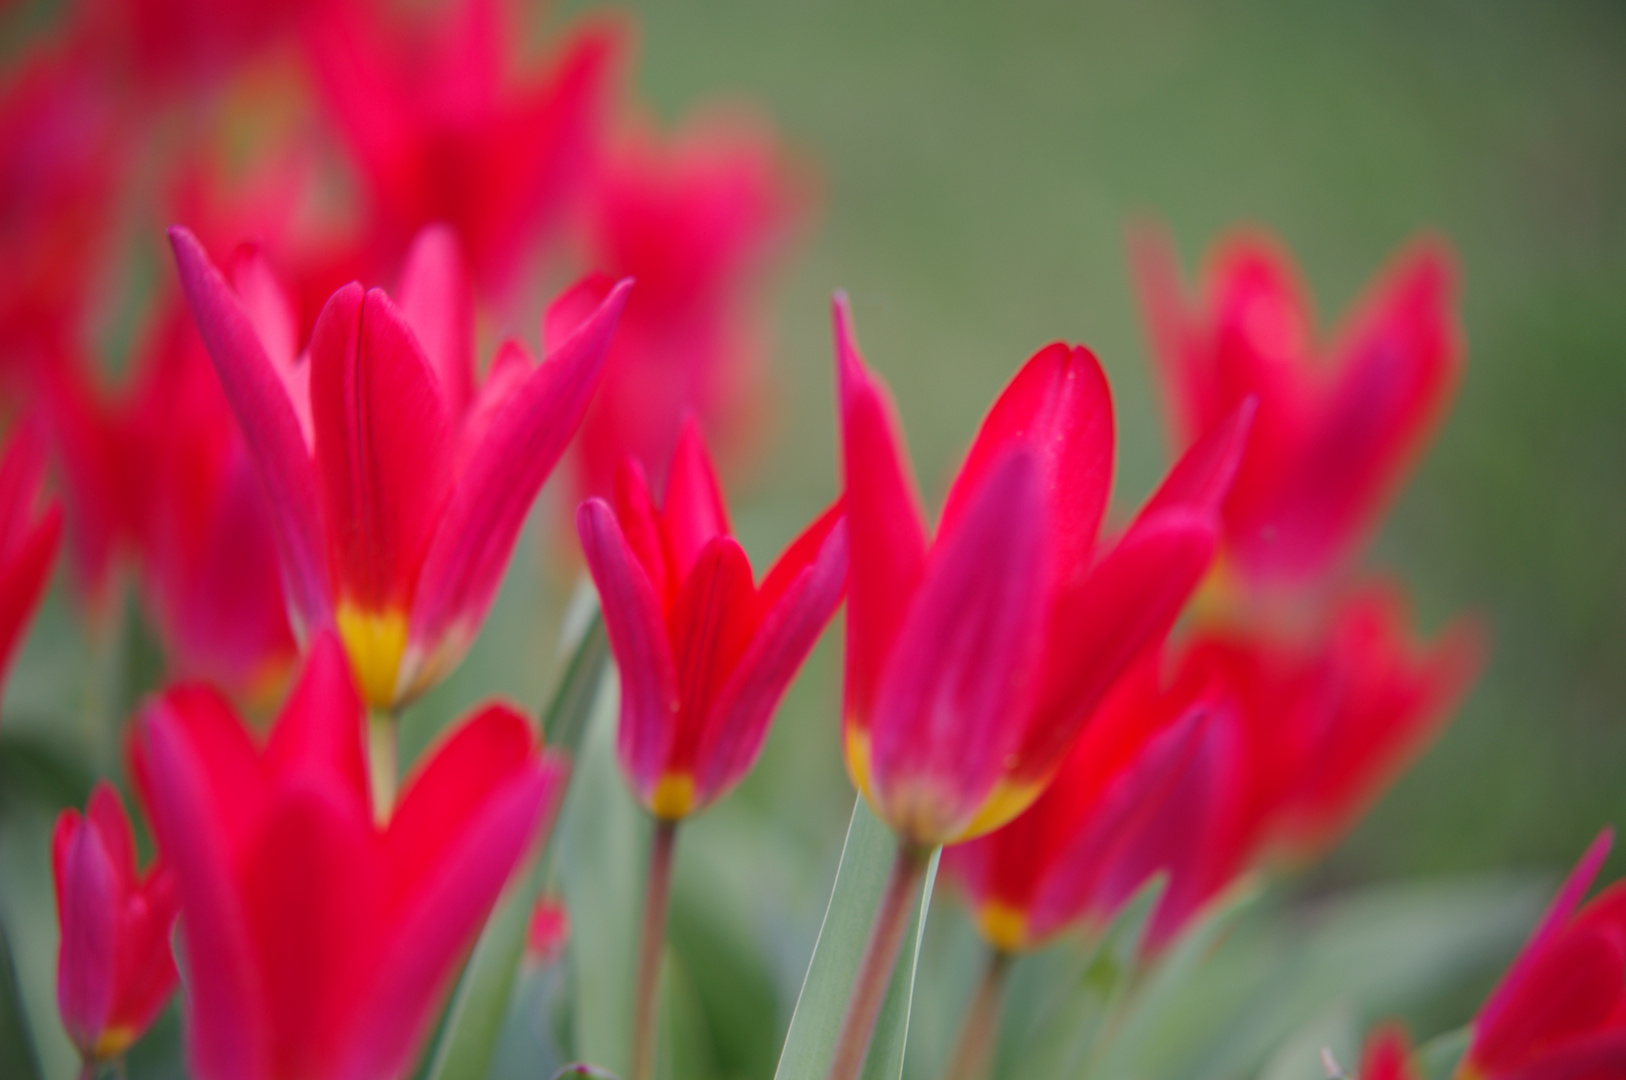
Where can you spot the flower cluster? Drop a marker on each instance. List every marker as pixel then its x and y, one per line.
pixel 320 466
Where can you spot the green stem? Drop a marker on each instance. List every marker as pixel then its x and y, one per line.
pixel 980 1027
pixel 880 957
pixel 383 761
pixel 657 896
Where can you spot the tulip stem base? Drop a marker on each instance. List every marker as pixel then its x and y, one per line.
pixel 880 957
pixel 980 1028
pixel 657 897
pixel 383 761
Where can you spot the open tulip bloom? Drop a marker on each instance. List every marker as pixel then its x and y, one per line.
pixel 704 655
pixel 315 942
pixel 975 658
pixel 1338 425
pixel 399 486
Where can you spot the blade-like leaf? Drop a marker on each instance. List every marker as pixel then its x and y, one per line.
pixel 475 1020
pixel 866 861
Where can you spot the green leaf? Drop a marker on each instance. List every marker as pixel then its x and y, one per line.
pixel 866 862
pixel 474 1023
pixel 1301 1057
pixel 1439 1057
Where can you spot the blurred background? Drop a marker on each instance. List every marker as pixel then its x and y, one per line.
pixel 973 168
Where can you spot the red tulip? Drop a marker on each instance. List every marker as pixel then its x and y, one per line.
pixel 1388 1056
pixel 704 654
pixel 1339 424
pixel 693 221
pixel 1132 798
pixel 1560 1011
pixel 28 541
pixel 440 135
pixel 316 943
pixel 399 487
pixel 548 931
pixel 114 969
pixel 973 660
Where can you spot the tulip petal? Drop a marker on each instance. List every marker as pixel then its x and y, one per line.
pixel 945 713
pixel 640 522
pixel 106 813
pixel 270 424
pixel 1591 1057
pixel 737 722
pixel 442 918
pixel 1572 984
pixel 643 652
pixel 227 1037
pixel 383 440
pixel 1126 604
pixel 710 625
pixel 271 313
pixel 321 728
pixel 22 581
pixel 483 518
pixel 88 903
pixel 438 304
pixel 693 512
pixel 1202 477
pixel 1059 406
pixel 885 526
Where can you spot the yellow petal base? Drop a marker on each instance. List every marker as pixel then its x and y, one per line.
pixel 1002 926
pixel 673 797
pixel 375 642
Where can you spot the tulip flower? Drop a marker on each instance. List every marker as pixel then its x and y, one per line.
pixel 1387 1055
pixel 28 541
pixel 1339 424
pixel 694 220
pixel 398 486
pixel 316 943
pixel 439 133
pixel 114 968
pixel 704 654
pixel 1560 1011
pixel 548 932
pixel 975 659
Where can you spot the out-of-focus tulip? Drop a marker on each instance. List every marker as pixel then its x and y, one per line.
pixel 185 46
pixel 693 221
pixel 1330 720
pixel 704 655
pixel 28 540
pixel 315 942
pixel 1130 800
pixel 1339 424
pixel 1560 1011
pixel 114 968
pixel 398 486
pixel 202 531
pixel 1388 1055
pixel 441 135
pixel 548 932
pixel 974 660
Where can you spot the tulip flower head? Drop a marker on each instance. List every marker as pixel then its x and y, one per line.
pixel 114 968
pixel 704 654
pixel 1388 1055
pixel 1131 799
pixel 974 659
pixel 399 486
pixel 316 943
pixel 1338 425
pixel 28 541
pixel 1560 1011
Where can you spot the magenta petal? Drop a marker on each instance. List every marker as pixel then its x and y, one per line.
pixel 272 314
pixel 643 654
pixel 438 304
pixel 737 722
pixel 1598 1056
pixel 1058 406
pixel 320 730
pixel 270 425
pixel 1202 477
pixel 1126 604
pixel 693 511
pixel 106 814
pixel 440 923
pixel 483 518
pixel 383 446
pixel 88 902
pixel 885 525
pixel 951 698
pixel 227 1038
